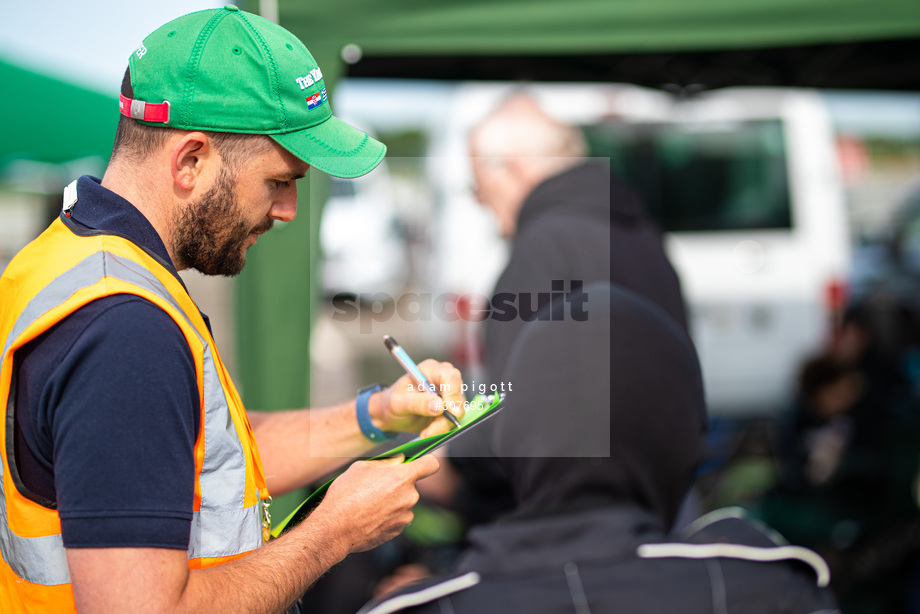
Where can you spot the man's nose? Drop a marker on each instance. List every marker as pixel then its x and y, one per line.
pixel 284 209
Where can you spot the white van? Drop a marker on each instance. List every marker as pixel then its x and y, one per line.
pixel 764 260
pixel 746 185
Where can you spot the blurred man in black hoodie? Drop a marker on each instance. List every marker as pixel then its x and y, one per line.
pixel 567 218
pixel 570 222
pixel 599 461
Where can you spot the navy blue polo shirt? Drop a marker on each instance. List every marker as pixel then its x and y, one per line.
pixel 106 412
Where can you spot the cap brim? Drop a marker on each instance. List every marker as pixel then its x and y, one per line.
pixel 335 148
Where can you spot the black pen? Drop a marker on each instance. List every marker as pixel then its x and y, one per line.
pixel 414 372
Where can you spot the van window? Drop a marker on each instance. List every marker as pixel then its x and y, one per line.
pixel 701 176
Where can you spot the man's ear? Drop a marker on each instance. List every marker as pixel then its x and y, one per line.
pixel 190 159
pixel 518 166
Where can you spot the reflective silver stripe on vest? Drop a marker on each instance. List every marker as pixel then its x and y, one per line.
pixel 225 533
pixel 223 477
pixel 39 560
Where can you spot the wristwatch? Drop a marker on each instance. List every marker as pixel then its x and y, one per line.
pixel 364 417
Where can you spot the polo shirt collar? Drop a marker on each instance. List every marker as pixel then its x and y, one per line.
pixel 100 209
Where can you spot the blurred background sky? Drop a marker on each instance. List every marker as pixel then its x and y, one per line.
pixel 86 43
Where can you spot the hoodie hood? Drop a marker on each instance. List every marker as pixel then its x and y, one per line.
pixel 608 410
pixel 587 189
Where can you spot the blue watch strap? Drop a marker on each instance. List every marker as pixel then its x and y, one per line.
pixel 364 417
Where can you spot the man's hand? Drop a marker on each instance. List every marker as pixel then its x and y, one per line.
pixel 403 407
pixel 402 576
pixel 368 505
pixel 372 501
pixel 300 446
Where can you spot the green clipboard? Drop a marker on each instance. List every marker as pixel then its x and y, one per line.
pixel 480 409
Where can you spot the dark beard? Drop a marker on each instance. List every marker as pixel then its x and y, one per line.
pixel 210 235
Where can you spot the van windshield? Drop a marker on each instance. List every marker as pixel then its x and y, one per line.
pixel 701 176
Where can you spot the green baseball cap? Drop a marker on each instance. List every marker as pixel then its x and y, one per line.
pixel 227 70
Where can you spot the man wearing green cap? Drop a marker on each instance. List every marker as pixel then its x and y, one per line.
pixel 132 476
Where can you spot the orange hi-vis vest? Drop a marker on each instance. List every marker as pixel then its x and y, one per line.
pixel 61 271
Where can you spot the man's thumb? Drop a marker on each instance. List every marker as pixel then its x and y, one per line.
pixel 394 460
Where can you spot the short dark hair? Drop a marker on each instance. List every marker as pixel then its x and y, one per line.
pixel 135 140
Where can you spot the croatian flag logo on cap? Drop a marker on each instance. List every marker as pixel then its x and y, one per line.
pixel 316 100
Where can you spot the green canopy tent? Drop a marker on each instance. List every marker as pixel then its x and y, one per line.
pixel 46 120
pixel 815 43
